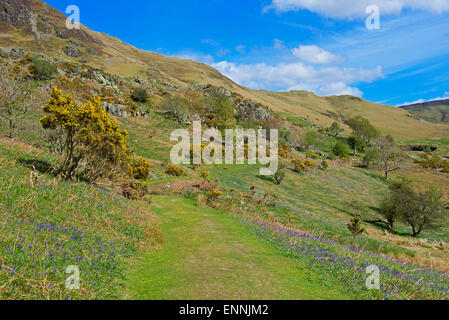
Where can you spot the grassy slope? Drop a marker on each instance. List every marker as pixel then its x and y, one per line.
pixel 209 255
pixel 47 225
pixel 317 201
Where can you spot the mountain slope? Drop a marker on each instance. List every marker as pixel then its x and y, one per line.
pixel 433 111
pixel 35 26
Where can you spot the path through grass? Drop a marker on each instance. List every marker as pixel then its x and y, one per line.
pixel 209 255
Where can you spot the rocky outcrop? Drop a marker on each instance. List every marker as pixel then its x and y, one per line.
pixel 104 79
pixel 252 111
pixel 14 13
pixel 72 51
pixel 122 111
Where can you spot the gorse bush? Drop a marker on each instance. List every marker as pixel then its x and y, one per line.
pixel 355 226
pixel 324 165
pixel 213 195
pixel 301 166
pixel 91 138
pixel 139 168
pixel 174 170
pixel 284 150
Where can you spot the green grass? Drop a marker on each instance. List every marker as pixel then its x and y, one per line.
pixel 48 225
pixel 209 255
pixel 317 201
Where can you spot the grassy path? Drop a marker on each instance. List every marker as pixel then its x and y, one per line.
pixel 209 255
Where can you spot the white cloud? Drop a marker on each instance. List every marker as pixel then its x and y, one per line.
pixel 356 8
pixel 330 80
pixel 316 55
pixel 303 68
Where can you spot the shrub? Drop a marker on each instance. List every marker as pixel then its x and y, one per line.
pixel 213 195
pixel 176 106
pixel 370 156
pixel 301 166
pixel 355 226
pixel 42 69
pixel 222 107
pixel 314 155
pixel 445 167
pixel 324 165
pixel 91 137
pixel 284 150
pixel 211 120
pixel 140 95
pixel 205 175
pixel 174 170
pixel 340 150
pixel 270 199
pixel 139 168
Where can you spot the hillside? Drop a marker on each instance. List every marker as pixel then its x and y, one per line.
pixel 432 111
pixel 35 26
pixel 88 180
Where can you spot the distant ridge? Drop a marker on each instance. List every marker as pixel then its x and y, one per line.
pixel 436 111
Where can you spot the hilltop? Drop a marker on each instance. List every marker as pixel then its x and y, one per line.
pixel 433 111
pixel 37 27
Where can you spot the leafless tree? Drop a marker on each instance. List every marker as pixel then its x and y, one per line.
pixel 390 157
pixel 15 96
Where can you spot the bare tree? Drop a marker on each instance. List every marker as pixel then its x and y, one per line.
pixel 390 157
pixel 15 96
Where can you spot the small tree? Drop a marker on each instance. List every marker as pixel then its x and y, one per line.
pixel 335 129
pixel 340 150
pixel 390 157
pixel 392 205
pixel 222 107
pixel 363 129
pixel 419 210
pixel 355 227
pixel 370 156
pixel 356 144
pixel 91 138
pixel 15 96
pixel 424 211
pixel 140 95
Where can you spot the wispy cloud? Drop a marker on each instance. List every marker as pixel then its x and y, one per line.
pixel 316 55
pixel 344 9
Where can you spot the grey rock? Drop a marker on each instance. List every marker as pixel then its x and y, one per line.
pixel 72 51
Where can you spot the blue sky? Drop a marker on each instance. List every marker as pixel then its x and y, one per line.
pixel 317 45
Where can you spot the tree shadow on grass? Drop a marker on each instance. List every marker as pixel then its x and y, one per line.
pixel 40 166
pixel 44 167
pixel 384 227
pixel 267 178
